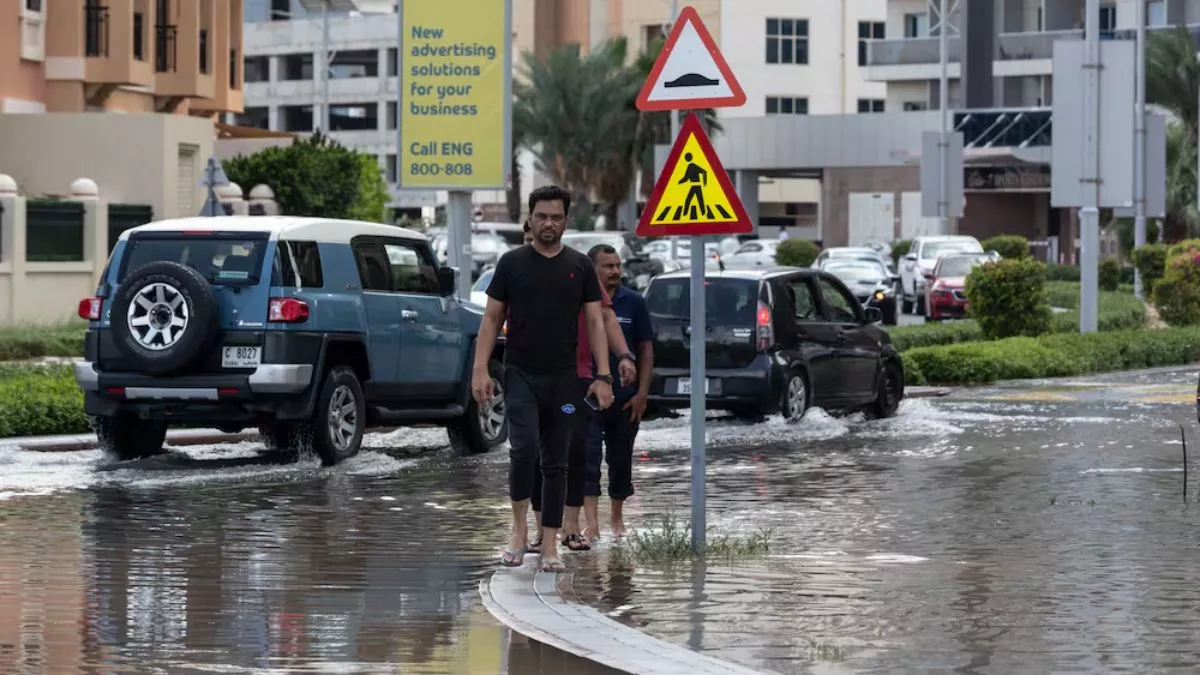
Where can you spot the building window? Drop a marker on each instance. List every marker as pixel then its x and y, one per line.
pixel 233 69
pixel 650 34
pixel 870 105
pixel 354 64
pixel 1156 13
pixel 1108 20
pixel 296 117
pixel 787 41
pixel 297 66
pixel 204 65
pixel 139 36
pixel 256 69
pixel 33 6
pixel 787 105
pixel 95 31
pixel 354 117
pixel 259 118
pixel 914 106
pixel 392 121
pixel 393 62
pixel 916 25
pixel 868 30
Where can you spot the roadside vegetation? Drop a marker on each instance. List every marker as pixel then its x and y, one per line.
pixel 24 342
pixel 671 541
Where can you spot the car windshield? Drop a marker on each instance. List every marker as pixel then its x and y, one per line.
pixel 959 265
pixel 727 301
pixel 482 282
pixel 223 259
pixel 935 250
pixel 488 243
pixel 856 270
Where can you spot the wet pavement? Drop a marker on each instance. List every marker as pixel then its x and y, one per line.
pixel 1029 528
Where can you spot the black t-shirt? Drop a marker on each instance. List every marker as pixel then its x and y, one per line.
pixel 544 298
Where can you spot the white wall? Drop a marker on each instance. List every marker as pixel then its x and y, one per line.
pixel 832 81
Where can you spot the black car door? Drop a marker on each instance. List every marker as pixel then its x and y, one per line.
pixel 804 336
pixel 858 352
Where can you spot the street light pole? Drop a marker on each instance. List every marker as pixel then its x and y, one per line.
pixel 944 110
pixel 674 125
pixel 1139 141
pixel 325 66
pixel 1089 214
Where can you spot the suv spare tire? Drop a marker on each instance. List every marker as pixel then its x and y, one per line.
pixel 164 316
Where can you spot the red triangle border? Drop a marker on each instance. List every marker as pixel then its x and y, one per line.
pixel 738 97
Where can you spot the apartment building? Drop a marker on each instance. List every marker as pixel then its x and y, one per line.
pixel 169 67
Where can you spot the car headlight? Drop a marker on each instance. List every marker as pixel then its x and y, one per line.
pixel 880 295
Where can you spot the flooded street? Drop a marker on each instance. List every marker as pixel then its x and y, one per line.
pixel 1032 528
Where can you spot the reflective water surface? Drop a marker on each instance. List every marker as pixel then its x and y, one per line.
pixel 1024 529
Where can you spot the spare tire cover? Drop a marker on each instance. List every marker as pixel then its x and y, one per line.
pixel 164 316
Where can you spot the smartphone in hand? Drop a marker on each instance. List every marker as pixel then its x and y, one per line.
pixel 592 402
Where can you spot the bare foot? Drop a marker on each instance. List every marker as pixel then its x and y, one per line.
pixel 618 530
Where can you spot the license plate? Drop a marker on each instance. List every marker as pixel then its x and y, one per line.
pixel 685 385
pixel 240 357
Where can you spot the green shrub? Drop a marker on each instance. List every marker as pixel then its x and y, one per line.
pixel 931 334
pixel 1125 234
pixel 1110 274
pixel 913 377
pixel 796 253
pixel 1150 260
pixel 1177 294
pixel 1190 246
pixel 1008 298
pixel 1059 355
pixel 32 342
pixel 900 249
pixel 40 400
pixel 1008 246
pixel 1056 272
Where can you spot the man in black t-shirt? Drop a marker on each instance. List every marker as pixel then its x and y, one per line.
pixel 540 289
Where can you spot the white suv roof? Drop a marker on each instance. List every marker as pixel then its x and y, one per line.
pixel 946 237
pixel 326 230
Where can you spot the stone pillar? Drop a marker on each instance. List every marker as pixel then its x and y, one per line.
pixel 95 222
pixel 12 246
pixel 746 184
pixel 230 197
pixel 262 201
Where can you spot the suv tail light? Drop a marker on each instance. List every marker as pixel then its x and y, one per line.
pixel 89 308
pixel 764 332
pixel 287 310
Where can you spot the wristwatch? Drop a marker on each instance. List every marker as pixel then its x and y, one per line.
pixel 607 379
pixel 627 357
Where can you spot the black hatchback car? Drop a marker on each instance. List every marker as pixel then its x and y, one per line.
pixel 779 340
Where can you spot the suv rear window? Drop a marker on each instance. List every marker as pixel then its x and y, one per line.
pixel 727 301
pixel 297 265
pixel 228 260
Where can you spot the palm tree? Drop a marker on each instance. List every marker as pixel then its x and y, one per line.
pixel 1173 83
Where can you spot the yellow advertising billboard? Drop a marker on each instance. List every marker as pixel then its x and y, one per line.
pixel 455 94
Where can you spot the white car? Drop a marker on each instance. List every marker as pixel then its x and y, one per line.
pixel 918 265
pixel 852 253
pixel 479 289
pixel 755 254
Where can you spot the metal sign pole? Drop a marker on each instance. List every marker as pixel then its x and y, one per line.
pixel 1139 142
pixel 674 125
pixel 699 379
pixel 944 112
pixel 1089 214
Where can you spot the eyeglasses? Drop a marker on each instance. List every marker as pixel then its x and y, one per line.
pixel 556 218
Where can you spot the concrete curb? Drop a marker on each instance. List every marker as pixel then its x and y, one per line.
pixel 70 443
pixel 926 392
pixel 531 603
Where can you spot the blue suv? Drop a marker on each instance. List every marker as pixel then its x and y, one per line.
pixel 312 330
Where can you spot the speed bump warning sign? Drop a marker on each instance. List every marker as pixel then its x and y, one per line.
pixel 693 195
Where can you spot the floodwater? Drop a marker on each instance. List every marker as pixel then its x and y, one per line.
pixel 1028 529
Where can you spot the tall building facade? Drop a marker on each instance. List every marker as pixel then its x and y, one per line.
pixel 133 56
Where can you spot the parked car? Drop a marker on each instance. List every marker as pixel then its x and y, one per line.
pixel 479 288
pixel 778 340
pixel 852 253
pixel 917 266
pixel 311 329
pixel 945 295
pixel 636 269
pixel 759 253
pixel 486 249
pixel 869 281
pixel 513 234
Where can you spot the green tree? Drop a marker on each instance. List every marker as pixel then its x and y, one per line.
pixel 1173 82
pixel 315 177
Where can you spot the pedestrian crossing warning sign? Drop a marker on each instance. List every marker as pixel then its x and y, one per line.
pixel 693 195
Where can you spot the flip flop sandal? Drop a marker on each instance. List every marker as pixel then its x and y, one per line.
pixel 535 547
pixel 552 567
pixel 511 558
pixel 577 542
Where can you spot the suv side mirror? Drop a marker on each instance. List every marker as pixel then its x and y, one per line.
pixel 911 257
pixel 872 315
pixel 447 281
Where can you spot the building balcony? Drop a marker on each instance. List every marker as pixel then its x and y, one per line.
pixel 177 64
pixel 911 59
pixel 1032 53
pixel 111 48
pixel 297 92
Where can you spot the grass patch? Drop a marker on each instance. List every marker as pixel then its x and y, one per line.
pixel 672 542
pixel 1053 355
pixel 18 343
pixel 1119 310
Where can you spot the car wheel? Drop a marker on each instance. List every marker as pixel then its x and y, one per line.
pixel 889 314
pixel 482 428
pixel 906 305
pixel 164 317
pixel 920 309
pixel 126 436
pixel 284 440
pixel 795 398
pixel 339 417
pixel 889 390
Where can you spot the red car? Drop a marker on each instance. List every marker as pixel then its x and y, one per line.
pixel 945 287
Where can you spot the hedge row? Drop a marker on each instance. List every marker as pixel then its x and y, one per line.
pixel 19 343
pixel 1055 355
pixel 1118 311
pixel 40 400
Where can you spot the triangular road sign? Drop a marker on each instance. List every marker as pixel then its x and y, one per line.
pixel 690 72
pixel 693 195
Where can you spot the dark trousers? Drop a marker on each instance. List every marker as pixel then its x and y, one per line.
pixel 611 434
pixel 576 455
pixel 542 409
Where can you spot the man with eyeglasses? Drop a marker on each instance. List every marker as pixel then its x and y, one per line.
pixel 541 289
